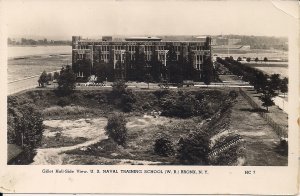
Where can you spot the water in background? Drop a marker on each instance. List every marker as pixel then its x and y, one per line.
pixel 21 51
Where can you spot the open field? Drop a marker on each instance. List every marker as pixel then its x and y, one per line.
pixel 75 133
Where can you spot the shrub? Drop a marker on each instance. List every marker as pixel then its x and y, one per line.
pixel 283 147
pixel 161 93
pixel 194 149
pixel 127 101
pixel 63 101
pixel 116 129
pixel 119 87
pixel 233 94
pixel 163 146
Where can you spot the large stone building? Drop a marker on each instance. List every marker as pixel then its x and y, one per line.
pixel 110 51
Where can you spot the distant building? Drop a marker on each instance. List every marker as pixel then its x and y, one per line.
pixel 109 51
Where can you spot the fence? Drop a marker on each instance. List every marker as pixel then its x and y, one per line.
pixel 280 131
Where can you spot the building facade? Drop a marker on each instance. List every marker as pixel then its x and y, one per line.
pixel 109 51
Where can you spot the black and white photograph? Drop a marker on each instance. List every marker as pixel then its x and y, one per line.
pixel 167 99
pixel 149 83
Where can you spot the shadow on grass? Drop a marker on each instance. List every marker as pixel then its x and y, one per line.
pixel 282 148
pixel 253 110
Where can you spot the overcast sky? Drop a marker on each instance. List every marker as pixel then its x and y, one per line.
pixel 62 19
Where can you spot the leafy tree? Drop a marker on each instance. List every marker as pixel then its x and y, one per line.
pixel 83 66
pixel 66 81
pixel 266 98
pixel 284 86
pixel 43 79
pixel 103 71
pixel 207 70
pixel 275 81
pixel 248 59
pixel 261 81
pixel 119 87
pixel 256 59
pixel 25 127
pixel 139 65
pixel 49 77
pixel 173 67
pixel 148 79
pixel 156 67
pixel 265 59
pixel 55 75
pixel 239 59
pixel 116 128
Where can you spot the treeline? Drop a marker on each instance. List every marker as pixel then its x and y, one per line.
pixel 24 127
pixel 139 69
pixel 268 85
pixel 262 42
pixel 26 42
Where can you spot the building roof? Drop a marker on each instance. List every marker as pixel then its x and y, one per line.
pixel 143 39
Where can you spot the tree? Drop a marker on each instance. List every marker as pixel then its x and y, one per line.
pixel 275 81
pixel 266 98
pixel 239 59
pixel 139 65
pixel 256 59
pixel 148 79
pixel 119 87
pixel 55 75
pixel 83 66
pixel 260 81
pixel 43 79
pixel 25 127
pixel 207 70
pixel 248 59
pixel 265 59
pixel 173 67
pixel 156 67
pixel 116 129
pixel 66 81
pixel 284 86
pixel 49 77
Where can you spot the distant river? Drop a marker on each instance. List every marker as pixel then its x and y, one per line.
pixel 21 51
pixel 26 63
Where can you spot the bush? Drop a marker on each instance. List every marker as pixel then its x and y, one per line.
pixel 163 146
pixel 127 101
pixel 63 101
pixel 25 127
pixel 161 93
pixel 116 129
pixel 119 87
pixel 194 149
pixel 233 94
pixel 283 147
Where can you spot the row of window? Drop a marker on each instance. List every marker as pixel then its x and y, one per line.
pixel 133 48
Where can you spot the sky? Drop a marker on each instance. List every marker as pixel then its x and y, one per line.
pixel 62 19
